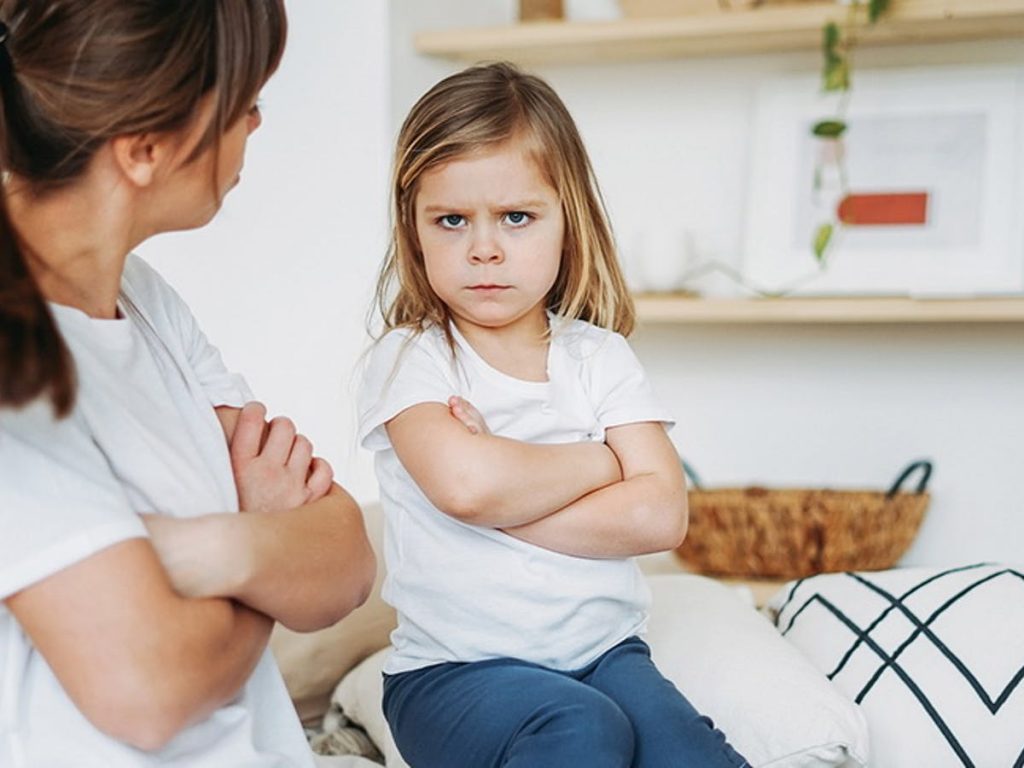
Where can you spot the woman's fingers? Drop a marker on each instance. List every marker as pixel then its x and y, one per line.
pixel 301 455
pixel 280 439
pixel 247 438
pixel 321 475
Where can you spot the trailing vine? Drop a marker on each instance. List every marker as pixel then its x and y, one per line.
pixel 838 44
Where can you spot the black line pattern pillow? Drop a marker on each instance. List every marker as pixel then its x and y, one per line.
pixel 935 658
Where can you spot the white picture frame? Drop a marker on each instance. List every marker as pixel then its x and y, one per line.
pixel 953 133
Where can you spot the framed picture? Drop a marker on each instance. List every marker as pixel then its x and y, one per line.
pixel 931 202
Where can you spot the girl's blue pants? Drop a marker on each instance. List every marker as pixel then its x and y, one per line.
pixel 617 712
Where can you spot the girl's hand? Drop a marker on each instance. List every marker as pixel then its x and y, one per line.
pixel 274 466
pixel 470 417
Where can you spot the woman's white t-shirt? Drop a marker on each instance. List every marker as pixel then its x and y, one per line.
pixel 467 593
pixel 143 437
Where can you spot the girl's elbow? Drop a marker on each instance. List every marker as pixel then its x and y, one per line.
pixel 674 517
pixel 464 503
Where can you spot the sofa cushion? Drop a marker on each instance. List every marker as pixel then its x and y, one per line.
pixel 935 657
pixel 774 707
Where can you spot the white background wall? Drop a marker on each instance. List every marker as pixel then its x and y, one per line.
pixel 282 280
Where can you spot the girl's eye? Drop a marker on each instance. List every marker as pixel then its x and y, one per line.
pixel 451 221
pixel 255 109
pixel 518 218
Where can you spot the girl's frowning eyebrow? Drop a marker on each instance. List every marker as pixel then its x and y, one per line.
pixel 522 205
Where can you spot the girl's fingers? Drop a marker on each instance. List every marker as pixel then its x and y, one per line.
pixel 321 475
pixel 245 442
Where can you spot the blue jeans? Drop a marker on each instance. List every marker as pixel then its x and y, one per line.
pixel 617 712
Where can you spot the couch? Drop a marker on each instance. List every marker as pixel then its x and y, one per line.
pixel 894 669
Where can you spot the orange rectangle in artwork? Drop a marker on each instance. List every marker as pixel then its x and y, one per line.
pixel 884 209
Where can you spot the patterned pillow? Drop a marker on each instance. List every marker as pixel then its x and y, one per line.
pixel 935 657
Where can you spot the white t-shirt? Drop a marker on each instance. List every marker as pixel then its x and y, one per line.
pixel 467 593
pixel 143 437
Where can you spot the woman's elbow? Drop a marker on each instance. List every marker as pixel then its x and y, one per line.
pixel 137 715
pixel 353 586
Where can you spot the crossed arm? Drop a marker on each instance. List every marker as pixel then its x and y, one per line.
pixel 150 636
pixel 620 498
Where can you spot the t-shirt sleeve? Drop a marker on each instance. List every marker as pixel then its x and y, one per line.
pixel 402 370
pixel 622 391
pixel 59 499
pixel 222 387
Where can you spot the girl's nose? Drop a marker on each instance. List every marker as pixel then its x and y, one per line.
pixel 485 249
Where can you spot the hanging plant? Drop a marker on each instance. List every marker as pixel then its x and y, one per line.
pixel 838 44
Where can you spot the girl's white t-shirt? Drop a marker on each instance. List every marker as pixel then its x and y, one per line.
pixel 466 593
pixel 143 437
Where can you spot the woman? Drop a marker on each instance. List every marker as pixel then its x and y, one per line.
pixel 137 604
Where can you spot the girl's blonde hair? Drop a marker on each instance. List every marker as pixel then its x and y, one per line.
pixel 480 107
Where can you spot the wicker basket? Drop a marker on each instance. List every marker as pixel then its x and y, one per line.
pixel 791 533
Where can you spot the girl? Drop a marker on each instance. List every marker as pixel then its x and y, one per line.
pixel 521 454
pixel 131 639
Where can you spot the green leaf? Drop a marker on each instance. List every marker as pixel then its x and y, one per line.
pixel 876 8
pixel 836 75
pixel 830 39
pixel 822 237
pixel 829 129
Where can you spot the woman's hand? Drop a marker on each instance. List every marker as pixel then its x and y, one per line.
pixel 274 467
pixel 470 417
pixel 190 550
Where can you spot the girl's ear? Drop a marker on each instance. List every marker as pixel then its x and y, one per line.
pixel 138 156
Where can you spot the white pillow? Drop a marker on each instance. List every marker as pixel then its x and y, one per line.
pixel 734 667
pixel 934 656
pixel 774 707
pixel 360 695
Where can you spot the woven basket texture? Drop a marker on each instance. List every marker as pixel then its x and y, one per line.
pixel 791 533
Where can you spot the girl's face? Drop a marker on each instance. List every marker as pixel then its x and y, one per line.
pixel 490 227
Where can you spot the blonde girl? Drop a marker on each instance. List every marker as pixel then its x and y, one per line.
pixel 521 454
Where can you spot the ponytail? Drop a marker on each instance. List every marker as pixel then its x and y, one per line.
pixel 34 360
pixel 73 75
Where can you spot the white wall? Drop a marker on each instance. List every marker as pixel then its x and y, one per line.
pixel 281 280
pixel 839 406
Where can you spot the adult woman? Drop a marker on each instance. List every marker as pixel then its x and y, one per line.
pixel 131 638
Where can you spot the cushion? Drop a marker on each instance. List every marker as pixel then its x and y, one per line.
pixel 935 658
pixel 772 704
pixel 313 663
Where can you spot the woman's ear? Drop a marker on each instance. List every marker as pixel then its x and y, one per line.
pixel 138 156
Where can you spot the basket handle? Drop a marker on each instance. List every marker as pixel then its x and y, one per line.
pixel 926 472
pixel 691 473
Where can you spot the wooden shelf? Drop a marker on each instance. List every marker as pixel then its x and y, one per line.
pixel 666 308
pixel 770 28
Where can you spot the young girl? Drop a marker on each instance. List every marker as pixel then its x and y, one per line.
pixel 137 602
pixel 521 454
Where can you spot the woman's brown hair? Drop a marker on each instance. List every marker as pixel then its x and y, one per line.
pixel 485 106
pixel 73 75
